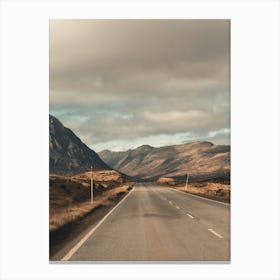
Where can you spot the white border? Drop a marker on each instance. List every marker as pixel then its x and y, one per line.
pixel 254 130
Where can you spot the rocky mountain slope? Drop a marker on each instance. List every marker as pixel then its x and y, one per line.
pixel 199 159
pixel 68 154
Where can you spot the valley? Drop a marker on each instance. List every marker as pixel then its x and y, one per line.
pixel 155 172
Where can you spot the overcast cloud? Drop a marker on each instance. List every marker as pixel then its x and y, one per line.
pixel 119 84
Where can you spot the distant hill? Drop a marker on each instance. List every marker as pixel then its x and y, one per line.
pixel 199 159
pixel 68 154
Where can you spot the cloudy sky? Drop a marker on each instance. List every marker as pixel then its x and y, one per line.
pixel 119 84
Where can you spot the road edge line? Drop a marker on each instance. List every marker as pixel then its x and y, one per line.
pixel 224 203
pixel 189 215
pixel 87 236
pixel 215 233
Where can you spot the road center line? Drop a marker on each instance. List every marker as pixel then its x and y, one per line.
pixel 87 236
pixel 190 215
pixel 215 233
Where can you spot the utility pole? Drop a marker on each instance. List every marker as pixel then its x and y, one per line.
pixel 186 188
pixel 91 187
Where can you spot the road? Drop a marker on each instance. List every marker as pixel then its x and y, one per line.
pixel 155 223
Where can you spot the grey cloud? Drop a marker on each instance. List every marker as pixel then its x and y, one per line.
pixel 138 43
pixel 121 79
pixel 110 51
pixel 140 121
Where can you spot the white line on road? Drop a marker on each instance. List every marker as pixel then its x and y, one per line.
pixel 86 237
pixel 190 216
pixel 200 197
pixel 214 232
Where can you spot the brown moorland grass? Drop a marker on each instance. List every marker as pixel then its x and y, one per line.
pixel 215 190
pixel 69 197
pixel 63 215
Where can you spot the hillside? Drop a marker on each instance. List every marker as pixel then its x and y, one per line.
pixel 68 154
pixel 72 192
pixel 199 159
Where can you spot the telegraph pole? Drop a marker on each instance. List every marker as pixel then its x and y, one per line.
pixel 187 175
pixel 91 187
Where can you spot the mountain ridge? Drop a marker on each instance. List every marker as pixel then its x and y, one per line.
pixel 68 155
pixel 197 158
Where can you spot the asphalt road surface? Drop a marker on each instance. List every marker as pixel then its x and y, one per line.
pixel 154 223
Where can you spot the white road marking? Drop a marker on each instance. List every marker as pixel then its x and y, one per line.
pixel 215 233
pixel 86 237
pixel 177 207
pixel 200 197
pixel 190 216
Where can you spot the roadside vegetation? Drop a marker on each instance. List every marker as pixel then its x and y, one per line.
pixel 214 189
pixel 69 197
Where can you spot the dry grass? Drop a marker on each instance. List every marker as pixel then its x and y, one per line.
pixel 103 179
pixel 167 181
pixel 65 191
pixel 59 216
pixel 99 175
pixel 217 191
pixel 69 196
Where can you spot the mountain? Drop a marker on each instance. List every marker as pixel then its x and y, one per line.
pixel 68 154
pixel 199 159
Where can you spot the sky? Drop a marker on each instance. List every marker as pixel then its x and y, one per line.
pixel 120 84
